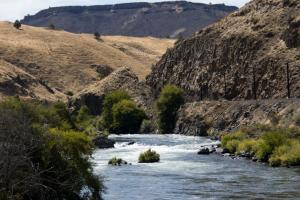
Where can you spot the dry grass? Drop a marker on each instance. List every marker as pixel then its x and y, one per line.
pixel 63 60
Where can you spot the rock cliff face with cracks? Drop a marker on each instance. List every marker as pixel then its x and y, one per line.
pixel 247 55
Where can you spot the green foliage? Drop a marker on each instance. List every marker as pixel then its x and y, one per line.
pixel 149 156
pixel 127 117
pixel 286 155
pixel 67 154
pixel 232 145
pixel 277 146
pixel 97 35
pixel 246 145
pixel 57 153
pixel 51 26
pixel 115 161
pixel 17 24
pixel 147 126
pixel 51 116
pixel 169 101
pixel 108 103
pixel 239 136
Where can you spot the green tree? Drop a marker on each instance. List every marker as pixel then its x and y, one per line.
pixel 42 157
pixel 52 26
pixel 17 24
pixel 127 117
pixel 108 103
pixel 169 101
pixel 97 35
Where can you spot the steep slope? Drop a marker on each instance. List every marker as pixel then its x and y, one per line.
pixel 243 56
pixel 133 19
pixel 122 78
pixel 70 62
pixel 15 81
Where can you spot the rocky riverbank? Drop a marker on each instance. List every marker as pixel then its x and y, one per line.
pixel 211 118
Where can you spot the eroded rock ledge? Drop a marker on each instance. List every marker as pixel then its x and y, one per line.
pixel 210 117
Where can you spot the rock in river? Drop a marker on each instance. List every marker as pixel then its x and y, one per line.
pixel 103 142
pixel 204 151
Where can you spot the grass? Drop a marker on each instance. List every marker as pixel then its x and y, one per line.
pixel 275 145
pixel 64 59
pixel 149 156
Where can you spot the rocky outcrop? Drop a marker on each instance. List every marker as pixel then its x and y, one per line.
pixel 103 142
pixel 243 56
pixel 133 19
pixel 122 78
pixel 218 116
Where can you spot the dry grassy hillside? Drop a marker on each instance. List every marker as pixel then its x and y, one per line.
pixel 66 62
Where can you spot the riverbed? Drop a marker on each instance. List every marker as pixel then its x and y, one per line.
pixel 182 174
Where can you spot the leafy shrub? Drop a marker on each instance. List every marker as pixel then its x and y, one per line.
pixel 108 103
pixel 149 156
pixel 127 117
pixel 286 155
pixel 232 145
pixel 246 145
pixel 169 101
pixel 53 157
pixel 17 24
pixel 147 126
pixel 51 26
pixel 239 136
pixel 97 35
pixel 277 146
pixel 116 161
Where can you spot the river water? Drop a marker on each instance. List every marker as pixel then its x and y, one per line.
pixel 182 174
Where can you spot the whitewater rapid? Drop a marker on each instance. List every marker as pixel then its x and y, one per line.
pixel 182 174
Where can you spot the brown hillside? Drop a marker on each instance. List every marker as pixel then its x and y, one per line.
pixel 242 56
pixel 70 62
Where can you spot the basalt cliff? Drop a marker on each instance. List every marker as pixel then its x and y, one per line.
pixel 162 19
pixel 254 53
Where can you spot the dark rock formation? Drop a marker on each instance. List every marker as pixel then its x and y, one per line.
pixel 195 126
pixel 103 142
pixel 165 19
pixel 243 56
pixel 204 151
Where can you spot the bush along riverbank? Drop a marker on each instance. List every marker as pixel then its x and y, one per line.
pixel 276 146
pixel 45 152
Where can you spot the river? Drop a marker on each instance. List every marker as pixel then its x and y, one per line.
pixel 182 174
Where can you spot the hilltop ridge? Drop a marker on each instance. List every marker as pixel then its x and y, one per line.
pixel 46 64
pixel 162 19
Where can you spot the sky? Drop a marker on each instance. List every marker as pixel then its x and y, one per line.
pixel 16 9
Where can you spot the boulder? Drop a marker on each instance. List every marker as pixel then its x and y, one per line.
pixel 103 142
pixel 204 151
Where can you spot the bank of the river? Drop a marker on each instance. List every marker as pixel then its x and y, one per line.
pixel 182 174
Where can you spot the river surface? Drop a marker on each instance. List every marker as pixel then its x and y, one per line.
pixel 182 174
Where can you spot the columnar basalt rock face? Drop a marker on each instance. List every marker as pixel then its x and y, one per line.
pixel 243 56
